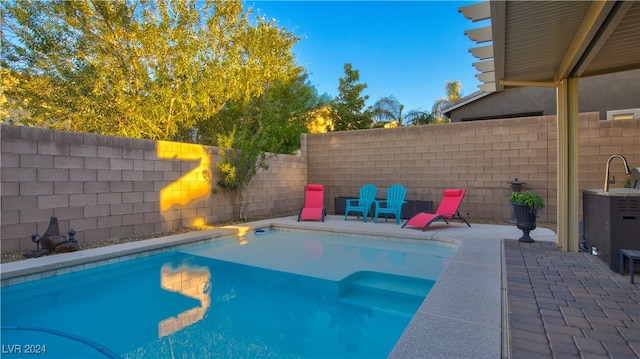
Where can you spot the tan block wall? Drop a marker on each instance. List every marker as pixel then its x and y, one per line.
pixel 480 156
pixel 601 139
pixel 111 187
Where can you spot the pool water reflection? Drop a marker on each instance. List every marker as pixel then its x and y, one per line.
pixel 281 294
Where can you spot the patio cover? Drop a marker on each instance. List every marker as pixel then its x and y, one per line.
pixel 553 43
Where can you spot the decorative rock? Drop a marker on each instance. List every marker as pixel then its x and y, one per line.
pixel 51 242
pixel 70 246
pixel 52 230
pixel 58 240
pixel 36 253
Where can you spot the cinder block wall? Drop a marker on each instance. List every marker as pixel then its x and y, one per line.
pixel 480 156
pixel 111 187
pixel 598 141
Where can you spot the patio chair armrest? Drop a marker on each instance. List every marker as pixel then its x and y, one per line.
pixel 378 202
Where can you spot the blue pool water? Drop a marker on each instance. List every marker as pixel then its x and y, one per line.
pixel 277 295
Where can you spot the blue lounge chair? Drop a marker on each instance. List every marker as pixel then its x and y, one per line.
pixel 363 203
pixel 391 205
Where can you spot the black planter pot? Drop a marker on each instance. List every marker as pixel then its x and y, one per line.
pixel 525 220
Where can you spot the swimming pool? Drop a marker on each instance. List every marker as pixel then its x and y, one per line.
pixel 279 294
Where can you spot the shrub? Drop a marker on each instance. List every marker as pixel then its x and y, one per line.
pixel 531 199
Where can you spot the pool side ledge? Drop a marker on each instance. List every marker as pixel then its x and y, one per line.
pixel 38 268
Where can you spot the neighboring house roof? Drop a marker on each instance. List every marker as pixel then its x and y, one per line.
pixel 464 101
pixel 604 94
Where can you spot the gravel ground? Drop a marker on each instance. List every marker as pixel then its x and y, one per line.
pixel 19 255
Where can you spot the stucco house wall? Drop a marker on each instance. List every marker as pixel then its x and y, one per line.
pixel 600 94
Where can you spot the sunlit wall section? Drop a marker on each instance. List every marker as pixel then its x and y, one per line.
pixel 192 282
pixel 106 187
pixel 191 186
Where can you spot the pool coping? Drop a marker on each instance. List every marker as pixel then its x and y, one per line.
pixel 462 317
pixel 37 268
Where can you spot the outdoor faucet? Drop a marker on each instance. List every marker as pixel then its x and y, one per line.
pixel 627 170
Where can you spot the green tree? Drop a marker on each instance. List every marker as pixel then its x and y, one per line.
pixel 453 90
pixel 422 118
pixel 137 68
pixel 242 158
pixel 249 134
pixel 348 108
pixel 388 112
pixel 281 114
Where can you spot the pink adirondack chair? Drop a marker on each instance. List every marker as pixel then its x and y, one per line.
pixel 447 210
pixel 313 204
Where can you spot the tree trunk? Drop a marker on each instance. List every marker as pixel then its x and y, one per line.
pixel 243 205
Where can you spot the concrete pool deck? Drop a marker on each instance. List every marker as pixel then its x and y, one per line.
pixel 496 298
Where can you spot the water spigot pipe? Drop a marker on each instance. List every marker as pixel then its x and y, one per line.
pixel 627 170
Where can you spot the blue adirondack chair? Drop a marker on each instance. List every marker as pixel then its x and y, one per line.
pixel 363 204
pixel 392 205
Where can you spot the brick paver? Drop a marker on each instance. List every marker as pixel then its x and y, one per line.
pixel 568 305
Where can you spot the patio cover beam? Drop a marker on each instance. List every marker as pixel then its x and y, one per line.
pixel 616 14
pixel 498 33
pixel 568 194
pixel 595 29
pixel 597 14
pixel 528 83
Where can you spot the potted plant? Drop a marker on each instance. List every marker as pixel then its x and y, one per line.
pixel 526 205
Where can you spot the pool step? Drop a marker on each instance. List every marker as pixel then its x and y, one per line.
pixel 386 292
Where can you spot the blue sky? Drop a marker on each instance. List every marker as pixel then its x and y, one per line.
pixel 408 49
